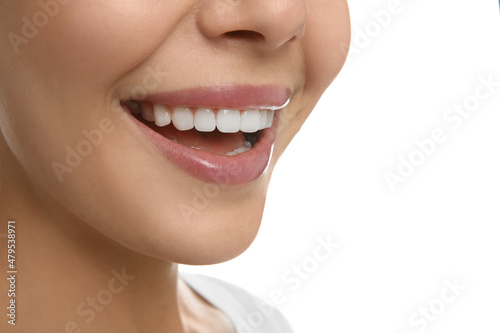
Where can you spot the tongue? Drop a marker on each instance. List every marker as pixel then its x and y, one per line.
pixel 215 142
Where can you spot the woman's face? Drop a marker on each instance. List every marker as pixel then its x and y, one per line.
pixel 82 84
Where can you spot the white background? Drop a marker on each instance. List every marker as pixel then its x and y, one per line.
pixel 397 248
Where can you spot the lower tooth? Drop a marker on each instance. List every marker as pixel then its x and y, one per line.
pixel 238 151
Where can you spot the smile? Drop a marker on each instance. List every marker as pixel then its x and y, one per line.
pixel 222 134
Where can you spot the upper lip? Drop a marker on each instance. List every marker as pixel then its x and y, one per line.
pixel 271 97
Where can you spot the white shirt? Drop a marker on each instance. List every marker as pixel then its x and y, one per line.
pixel 247 313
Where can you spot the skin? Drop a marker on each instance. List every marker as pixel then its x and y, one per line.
pixel 119 208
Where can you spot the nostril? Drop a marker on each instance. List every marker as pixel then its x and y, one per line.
pixel 244 34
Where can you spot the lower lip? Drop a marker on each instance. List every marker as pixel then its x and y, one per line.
pixel 210 167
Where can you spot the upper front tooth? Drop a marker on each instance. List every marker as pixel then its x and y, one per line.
pixel 183 118
pixel 204 120
pixel 162 115
pixel 228 121
pixel 250 121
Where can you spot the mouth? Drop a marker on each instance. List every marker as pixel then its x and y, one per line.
pixel 221 131
pixel 222 134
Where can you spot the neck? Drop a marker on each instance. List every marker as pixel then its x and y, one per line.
pixel 71 277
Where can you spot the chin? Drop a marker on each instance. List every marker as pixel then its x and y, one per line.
pixel 192 226
pixel 212 237
pixel 218 233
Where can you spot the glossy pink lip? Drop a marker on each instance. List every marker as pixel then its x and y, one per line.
pixel 210 167
pixel 237 97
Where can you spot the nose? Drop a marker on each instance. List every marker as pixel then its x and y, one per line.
pixel 269 23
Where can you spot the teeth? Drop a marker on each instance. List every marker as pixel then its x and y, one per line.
pixel 134 106
pixel 263 119
pixel 147 113
pixel 162 115
pixel 270 118
pixel 250 121
pixel 240 150
pixel 228 121
pixel 206 119
pixel 183 118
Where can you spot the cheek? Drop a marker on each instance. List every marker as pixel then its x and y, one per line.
pixel 326 42
pixel 54 77
pixel 96 42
